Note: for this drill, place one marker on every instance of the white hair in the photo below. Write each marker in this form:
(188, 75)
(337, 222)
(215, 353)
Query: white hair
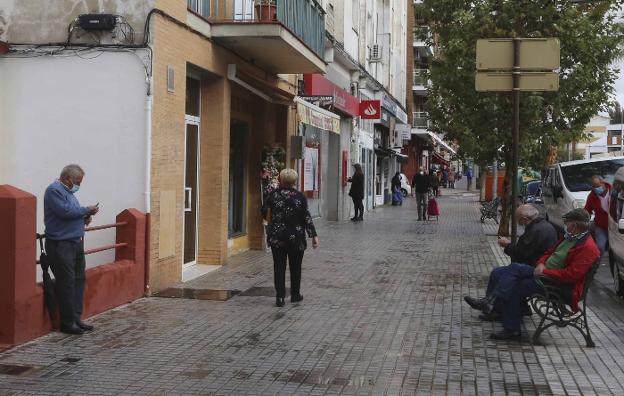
(72, 171)
(528, 211)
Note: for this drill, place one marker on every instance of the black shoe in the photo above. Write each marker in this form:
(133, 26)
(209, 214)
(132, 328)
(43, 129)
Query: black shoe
(360, 218)
(295, 299)
(84, 326)
(279, 301)
(73, 329)
(506, 335)
(484, 305)
(354, 219)
(492, 317)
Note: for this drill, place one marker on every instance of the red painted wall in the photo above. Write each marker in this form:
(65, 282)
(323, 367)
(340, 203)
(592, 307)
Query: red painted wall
(23, 316)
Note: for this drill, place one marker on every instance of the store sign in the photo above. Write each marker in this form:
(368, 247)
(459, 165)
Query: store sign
(404, 132)
(317, 85)
(319, 100)
(316, 118)
(389, 104)
(370, 109)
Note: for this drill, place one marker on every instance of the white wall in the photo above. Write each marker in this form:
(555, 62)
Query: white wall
(60, 110)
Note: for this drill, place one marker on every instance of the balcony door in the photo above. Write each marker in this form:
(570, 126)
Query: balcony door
(243, 10)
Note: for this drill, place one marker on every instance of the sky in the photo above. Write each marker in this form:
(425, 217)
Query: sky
(619, 84)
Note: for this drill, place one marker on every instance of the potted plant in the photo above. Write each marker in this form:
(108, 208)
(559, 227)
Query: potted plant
(266, 10)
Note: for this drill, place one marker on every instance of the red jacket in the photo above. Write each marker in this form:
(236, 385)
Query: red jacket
(601, 218)
(578, 262)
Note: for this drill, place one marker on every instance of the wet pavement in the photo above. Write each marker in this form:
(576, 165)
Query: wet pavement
(382, 315)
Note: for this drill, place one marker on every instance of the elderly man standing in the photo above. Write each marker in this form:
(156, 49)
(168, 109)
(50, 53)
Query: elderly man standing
(65, 222)
(598, 201)
(539, 236)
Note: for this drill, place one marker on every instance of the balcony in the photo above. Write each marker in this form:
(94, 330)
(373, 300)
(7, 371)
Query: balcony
(420, 120)
(280, 36)
(420, 81)
(421, 35)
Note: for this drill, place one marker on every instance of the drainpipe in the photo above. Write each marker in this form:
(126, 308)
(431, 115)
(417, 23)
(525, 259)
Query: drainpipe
(148, 145)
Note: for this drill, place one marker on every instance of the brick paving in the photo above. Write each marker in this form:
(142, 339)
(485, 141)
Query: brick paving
(382, 315)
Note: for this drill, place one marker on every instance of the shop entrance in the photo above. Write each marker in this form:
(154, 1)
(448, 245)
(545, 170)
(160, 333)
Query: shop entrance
(191, 171)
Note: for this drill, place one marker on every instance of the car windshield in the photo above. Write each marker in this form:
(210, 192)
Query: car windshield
(578, 177)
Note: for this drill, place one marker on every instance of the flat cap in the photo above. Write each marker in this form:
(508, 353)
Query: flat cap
(578, 214)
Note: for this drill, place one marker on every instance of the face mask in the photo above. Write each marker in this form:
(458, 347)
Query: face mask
(74, 189)
(599, 190)
(566, 233)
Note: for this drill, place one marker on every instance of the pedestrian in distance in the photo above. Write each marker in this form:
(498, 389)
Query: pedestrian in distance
(469, 179)
(434, 182)
(421, 184)
(451, 178)
(356, 192)
(397, 195)
(65, 222)
(539, 236)
(598, 203)
(289, 221)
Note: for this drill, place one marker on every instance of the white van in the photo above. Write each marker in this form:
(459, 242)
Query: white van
(567, 184)
(616, 233)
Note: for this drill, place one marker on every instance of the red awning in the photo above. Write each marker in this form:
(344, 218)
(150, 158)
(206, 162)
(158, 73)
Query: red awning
(438, 159)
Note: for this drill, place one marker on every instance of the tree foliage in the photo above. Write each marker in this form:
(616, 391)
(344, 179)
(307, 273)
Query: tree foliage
(480, 122)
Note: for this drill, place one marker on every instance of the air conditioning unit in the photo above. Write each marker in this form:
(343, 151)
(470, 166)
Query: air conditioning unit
(375, 53)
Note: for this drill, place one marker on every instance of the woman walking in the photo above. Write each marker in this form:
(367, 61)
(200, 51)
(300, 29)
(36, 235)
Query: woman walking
(357, 192)
(289, 221)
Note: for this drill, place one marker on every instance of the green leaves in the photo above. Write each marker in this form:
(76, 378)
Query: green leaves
(591, 40)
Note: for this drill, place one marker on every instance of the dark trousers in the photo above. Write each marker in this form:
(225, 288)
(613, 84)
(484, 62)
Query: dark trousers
(421, 204)
(67, 262)
(503, 279)
(359, 207)
(294, 257)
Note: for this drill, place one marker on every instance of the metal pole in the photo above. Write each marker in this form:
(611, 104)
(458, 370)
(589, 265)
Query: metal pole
(494, 179)
(515, 139)
(621, 131)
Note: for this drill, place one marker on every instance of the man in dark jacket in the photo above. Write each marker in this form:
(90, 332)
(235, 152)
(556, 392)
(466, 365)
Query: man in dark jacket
(539, 236)
(420, 186)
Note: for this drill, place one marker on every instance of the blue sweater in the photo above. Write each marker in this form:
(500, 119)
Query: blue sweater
(62, 214)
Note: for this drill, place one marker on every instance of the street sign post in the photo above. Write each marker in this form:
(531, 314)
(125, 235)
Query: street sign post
(514, 65)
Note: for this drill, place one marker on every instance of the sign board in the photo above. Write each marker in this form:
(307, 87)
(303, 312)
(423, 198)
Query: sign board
(315, 116)
(404, 131)
(324, 99)
(535, 54)
(529, 81)
(370, 109)
(318, 85)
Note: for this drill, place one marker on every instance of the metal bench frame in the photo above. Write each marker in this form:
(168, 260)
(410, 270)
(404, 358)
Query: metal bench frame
(489, 210)
(554, 308)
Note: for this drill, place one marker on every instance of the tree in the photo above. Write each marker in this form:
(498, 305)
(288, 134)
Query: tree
(480, 122)
(615, 113)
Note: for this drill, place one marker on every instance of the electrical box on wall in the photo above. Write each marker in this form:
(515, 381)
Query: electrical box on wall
(97, 21)
(296, 147)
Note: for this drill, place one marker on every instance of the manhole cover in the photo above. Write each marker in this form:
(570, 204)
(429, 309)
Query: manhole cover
(258, 291)
(13, 369)
(198, 294)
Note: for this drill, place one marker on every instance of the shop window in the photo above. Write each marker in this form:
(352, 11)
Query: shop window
(238, 179)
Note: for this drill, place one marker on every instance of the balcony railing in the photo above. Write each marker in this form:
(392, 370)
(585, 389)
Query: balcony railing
(305, 18)
(421, 33)
(420, 77)
(420, 120)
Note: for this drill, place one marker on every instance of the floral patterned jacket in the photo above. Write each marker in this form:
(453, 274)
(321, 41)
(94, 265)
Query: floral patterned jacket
(290, 219)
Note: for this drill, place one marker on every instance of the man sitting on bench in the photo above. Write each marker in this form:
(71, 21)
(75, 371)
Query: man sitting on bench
(539, 236)
(567, 263)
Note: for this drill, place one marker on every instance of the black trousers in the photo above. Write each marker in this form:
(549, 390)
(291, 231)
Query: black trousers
(67, 262)
(294, 257)
(359, 207)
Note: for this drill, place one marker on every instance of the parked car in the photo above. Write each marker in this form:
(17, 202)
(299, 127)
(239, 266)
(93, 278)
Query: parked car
(406, 189)
(567, 184)
(616, 233)
(532, 192)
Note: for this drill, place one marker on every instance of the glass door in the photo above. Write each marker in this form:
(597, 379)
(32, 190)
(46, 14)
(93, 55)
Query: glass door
(191, 184)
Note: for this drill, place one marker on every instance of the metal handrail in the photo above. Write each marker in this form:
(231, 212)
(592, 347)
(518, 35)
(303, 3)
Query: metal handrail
(96, 228)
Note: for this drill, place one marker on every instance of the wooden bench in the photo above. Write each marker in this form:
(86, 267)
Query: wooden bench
(553, 306)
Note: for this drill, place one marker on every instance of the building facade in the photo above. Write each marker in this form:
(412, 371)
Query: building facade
(189, 98)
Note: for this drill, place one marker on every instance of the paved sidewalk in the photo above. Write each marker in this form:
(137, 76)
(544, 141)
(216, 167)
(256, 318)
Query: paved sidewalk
(382, 314)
